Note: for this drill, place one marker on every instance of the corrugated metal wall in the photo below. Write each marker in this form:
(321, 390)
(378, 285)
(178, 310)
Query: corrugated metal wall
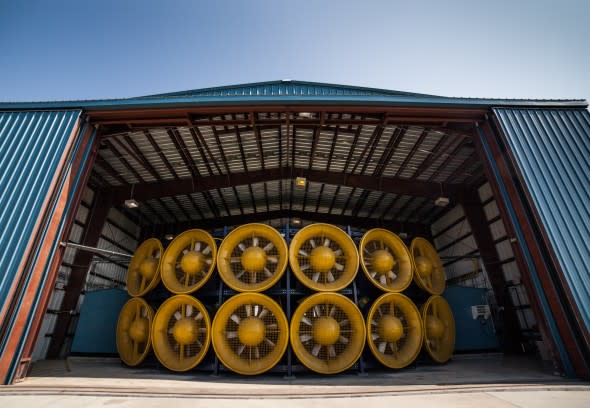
(552, 150)
(31, 146)
(463, 266)
(118, 234)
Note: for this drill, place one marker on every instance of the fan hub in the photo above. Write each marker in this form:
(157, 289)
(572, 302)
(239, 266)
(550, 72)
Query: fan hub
(424, 266)
(185, 331)
(382, 261)
(251, 331)
(253, 259)
(192, 262)
(390, 328)
(139, 329)
(326, 331)
(434, 327)
(148, 268)
(322, 259)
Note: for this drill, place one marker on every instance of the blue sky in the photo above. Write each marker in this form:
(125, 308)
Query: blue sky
(56, 50)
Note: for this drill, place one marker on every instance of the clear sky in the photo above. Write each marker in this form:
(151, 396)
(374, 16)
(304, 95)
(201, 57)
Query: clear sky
(83, 49)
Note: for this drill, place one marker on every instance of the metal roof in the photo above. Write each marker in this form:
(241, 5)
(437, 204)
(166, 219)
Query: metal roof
(289, 92)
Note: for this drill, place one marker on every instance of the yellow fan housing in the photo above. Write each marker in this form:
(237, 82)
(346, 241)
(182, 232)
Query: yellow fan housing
(252, 258)
(250, 333)
(430, 274)
(323, 257)
(189, 261)
(386, 260)
(439, 328)
(181, 333)
(327, 333)
(143, 273)
(394, 330)
(133, 331)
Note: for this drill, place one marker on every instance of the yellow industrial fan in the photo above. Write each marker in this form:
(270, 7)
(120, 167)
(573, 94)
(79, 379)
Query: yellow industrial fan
(143, 273)
(430, 274)
(386, 260)
(188, 261)
(323, 257)
(181, 333)
(439, 328)
(394, 330)
(327, 333)
(250, 333)
(133, 331)
(252, 258)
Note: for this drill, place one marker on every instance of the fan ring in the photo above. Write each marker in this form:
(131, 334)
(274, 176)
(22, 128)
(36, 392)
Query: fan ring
(189, 261)
(430, 273)
(394, 330)
(252, 258)
(323, 257)
(143, 273)
(133, 329)
(250, 333)
(386, 260)
(181, 333)
(327, 333)
(439, 328)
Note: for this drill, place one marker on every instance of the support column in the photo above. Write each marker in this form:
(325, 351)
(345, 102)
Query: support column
(94, 225)
(509, 332)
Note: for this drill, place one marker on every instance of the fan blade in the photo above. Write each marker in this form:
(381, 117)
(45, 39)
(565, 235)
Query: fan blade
(263, 313)
(391, 275)
(142, 284)
(239, 275)
(272, 259)
(208, 261)
(343, 339)
(333, 311)
(316, 350)
(330, 277)
(184, 251)
(331, 351)
(373, 323)
(303, 253)
(235, 259)
(338, 252)
(207, 250)
(242, 246)
(382, 347)
(272, 326)
(231, 335)
(375, 336)
(394, 347)
(338, 266)
(383, 279)
(267, 272)
(305, 267)
(177, 315)
(255, 241)
(256, 353)
(241, 349)
(189, 310)
(197, 246)
(268, 247)
(186, 278)
(199, 316)
(343, 322)
(253, 277)
(181, 352)
(235, 319)
(312, 243)
(434, 309)
(270, 343)
(366, 251)
(306, 320)
(327, 242)
(248, 310)
(317, 310)
(316, 276)
(373, 274)
(305, 337)
(392, 308)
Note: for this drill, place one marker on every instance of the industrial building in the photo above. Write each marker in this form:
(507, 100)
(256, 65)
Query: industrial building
(500, 187)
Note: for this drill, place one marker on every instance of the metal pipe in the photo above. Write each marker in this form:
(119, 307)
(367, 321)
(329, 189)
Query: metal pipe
(94, 249)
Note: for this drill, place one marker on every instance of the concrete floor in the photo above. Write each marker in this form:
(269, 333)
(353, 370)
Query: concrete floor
(481, 380)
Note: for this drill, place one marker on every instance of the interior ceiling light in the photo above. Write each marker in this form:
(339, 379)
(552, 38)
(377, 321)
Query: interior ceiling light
(307, 115)
(168, 237)
(296, 221)
(131, 203)
(300, 181)
(442, 201)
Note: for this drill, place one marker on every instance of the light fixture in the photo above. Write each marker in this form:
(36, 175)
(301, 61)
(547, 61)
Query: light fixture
(442, 201)
(131, 203)
(307, 115)
(300, 181)
(168, 237)
(296, 221)
(402, 235)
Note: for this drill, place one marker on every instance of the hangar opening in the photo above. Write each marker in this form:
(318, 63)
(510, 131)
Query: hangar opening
(416, 172)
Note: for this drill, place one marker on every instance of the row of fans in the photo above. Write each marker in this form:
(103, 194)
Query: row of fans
(250, 332)
(253, 257)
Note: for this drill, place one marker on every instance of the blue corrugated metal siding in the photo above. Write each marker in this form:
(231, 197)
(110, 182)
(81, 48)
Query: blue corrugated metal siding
(552, 150)
(31, 146)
